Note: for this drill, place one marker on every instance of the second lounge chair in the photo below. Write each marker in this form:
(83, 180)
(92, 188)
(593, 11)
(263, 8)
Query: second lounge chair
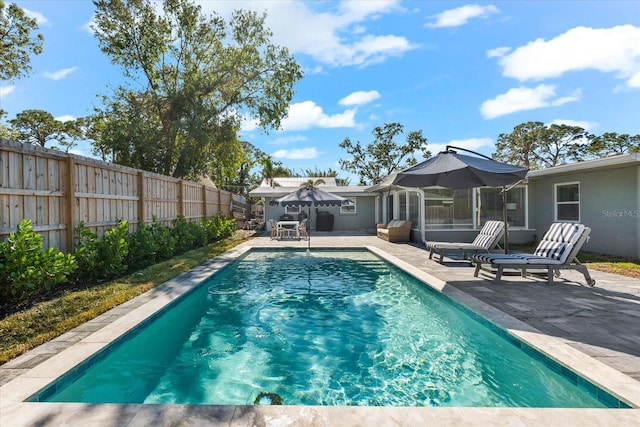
(557, 251)
(486, 240)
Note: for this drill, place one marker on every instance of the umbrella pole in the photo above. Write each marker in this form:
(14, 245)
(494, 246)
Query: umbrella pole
(505, 218)
(309, 230)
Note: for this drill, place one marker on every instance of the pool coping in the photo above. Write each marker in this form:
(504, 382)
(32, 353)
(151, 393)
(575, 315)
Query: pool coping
(14, 410)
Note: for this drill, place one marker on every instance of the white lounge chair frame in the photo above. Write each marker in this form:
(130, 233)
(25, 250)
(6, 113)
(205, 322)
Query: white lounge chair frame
(488, 238)
(557, 251)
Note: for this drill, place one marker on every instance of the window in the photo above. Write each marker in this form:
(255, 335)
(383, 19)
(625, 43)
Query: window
(414, 209)
(447, 208)
(489, 204)
(292, 209)
(349, 208)
(567, 197)
(402, 205)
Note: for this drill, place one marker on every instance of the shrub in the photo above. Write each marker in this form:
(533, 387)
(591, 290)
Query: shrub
(165, 240)
(188, 235)
(26, 268)
(150, 244)
(101, 259)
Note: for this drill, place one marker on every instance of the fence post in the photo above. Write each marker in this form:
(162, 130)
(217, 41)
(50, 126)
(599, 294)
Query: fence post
(142, 190)
(71, 203)
(181, 207)
(219, 200)
(204, 201)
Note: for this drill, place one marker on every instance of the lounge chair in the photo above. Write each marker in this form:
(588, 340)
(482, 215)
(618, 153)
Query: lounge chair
(556, 251)
(395, 231)
(488, 238)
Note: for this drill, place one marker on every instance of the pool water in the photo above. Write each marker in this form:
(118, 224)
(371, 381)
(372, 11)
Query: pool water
(319, 328)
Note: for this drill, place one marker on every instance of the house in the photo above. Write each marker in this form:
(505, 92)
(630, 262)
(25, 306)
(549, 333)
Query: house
(603, 194)
(357, 216)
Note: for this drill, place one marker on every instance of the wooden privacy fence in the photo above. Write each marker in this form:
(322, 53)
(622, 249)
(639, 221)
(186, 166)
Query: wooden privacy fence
(57, 190)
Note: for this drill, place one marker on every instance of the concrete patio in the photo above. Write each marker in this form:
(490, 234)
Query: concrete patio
(596, 331)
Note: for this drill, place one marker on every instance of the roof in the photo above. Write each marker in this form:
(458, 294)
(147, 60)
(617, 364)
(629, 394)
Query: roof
(605, 162)
(384, 184)
(341, 190)
(297, 181)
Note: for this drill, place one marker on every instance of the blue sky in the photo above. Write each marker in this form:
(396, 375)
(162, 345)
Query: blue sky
(461, 72)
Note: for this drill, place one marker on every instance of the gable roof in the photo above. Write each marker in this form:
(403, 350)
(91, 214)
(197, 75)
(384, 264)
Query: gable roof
(605, 162)
(297, 181)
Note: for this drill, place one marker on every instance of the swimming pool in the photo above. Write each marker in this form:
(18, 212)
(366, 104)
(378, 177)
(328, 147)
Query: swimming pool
(326, 328)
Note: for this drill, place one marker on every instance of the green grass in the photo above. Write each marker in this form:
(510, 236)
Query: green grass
(607, 263)
(46, 320)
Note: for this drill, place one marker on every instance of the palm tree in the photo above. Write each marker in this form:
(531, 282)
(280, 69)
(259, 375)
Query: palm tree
(311, 183)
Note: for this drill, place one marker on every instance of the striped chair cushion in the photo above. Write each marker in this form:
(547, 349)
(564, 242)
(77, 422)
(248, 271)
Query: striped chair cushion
(558, 240)
(500, 258)
(488, 233)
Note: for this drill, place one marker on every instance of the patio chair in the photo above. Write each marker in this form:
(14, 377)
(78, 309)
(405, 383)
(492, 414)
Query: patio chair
(488, 238)
(274, 229)
(556, 251)
(302, 229)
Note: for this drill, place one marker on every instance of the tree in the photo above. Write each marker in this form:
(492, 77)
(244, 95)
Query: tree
(518, 146)
(271, 169)
(535, 145)
(313, 182)
(199, 76)
(36, 127)
(561, 144)
(383, 156)
(16, 42)
(5, 131)
(240, 180)
(330, 173)
(612, 143)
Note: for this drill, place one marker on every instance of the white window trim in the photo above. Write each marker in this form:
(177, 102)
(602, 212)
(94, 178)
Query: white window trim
(292, 210)
(556, 202)
(353, 203)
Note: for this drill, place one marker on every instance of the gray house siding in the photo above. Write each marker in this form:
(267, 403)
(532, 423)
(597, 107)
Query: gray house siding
(361, 221)
(609, 204)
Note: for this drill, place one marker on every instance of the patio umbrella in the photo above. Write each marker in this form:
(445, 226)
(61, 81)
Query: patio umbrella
(310, 196)
(452, 170)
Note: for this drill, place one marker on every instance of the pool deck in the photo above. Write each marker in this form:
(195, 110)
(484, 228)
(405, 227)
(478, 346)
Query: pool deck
(595, 331)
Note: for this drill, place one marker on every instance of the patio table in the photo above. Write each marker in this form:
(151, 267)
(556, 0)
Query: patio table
(288, 229)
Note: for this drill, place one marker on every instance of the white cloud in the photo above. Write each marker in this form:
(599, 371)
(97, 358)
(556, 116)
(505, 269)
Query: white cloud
(248, 124)
(60, 74)
(40, 19)
(65, 118)
(360, 98)
(461, 15)
(89, 26)
(498, 52)
(583, 124)
(306, 115)
(6, 90)
(470, 144)
(296, 154)
(634, 81)
(609, 50)
(288, 140)
(337, 37)
(523, 98)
